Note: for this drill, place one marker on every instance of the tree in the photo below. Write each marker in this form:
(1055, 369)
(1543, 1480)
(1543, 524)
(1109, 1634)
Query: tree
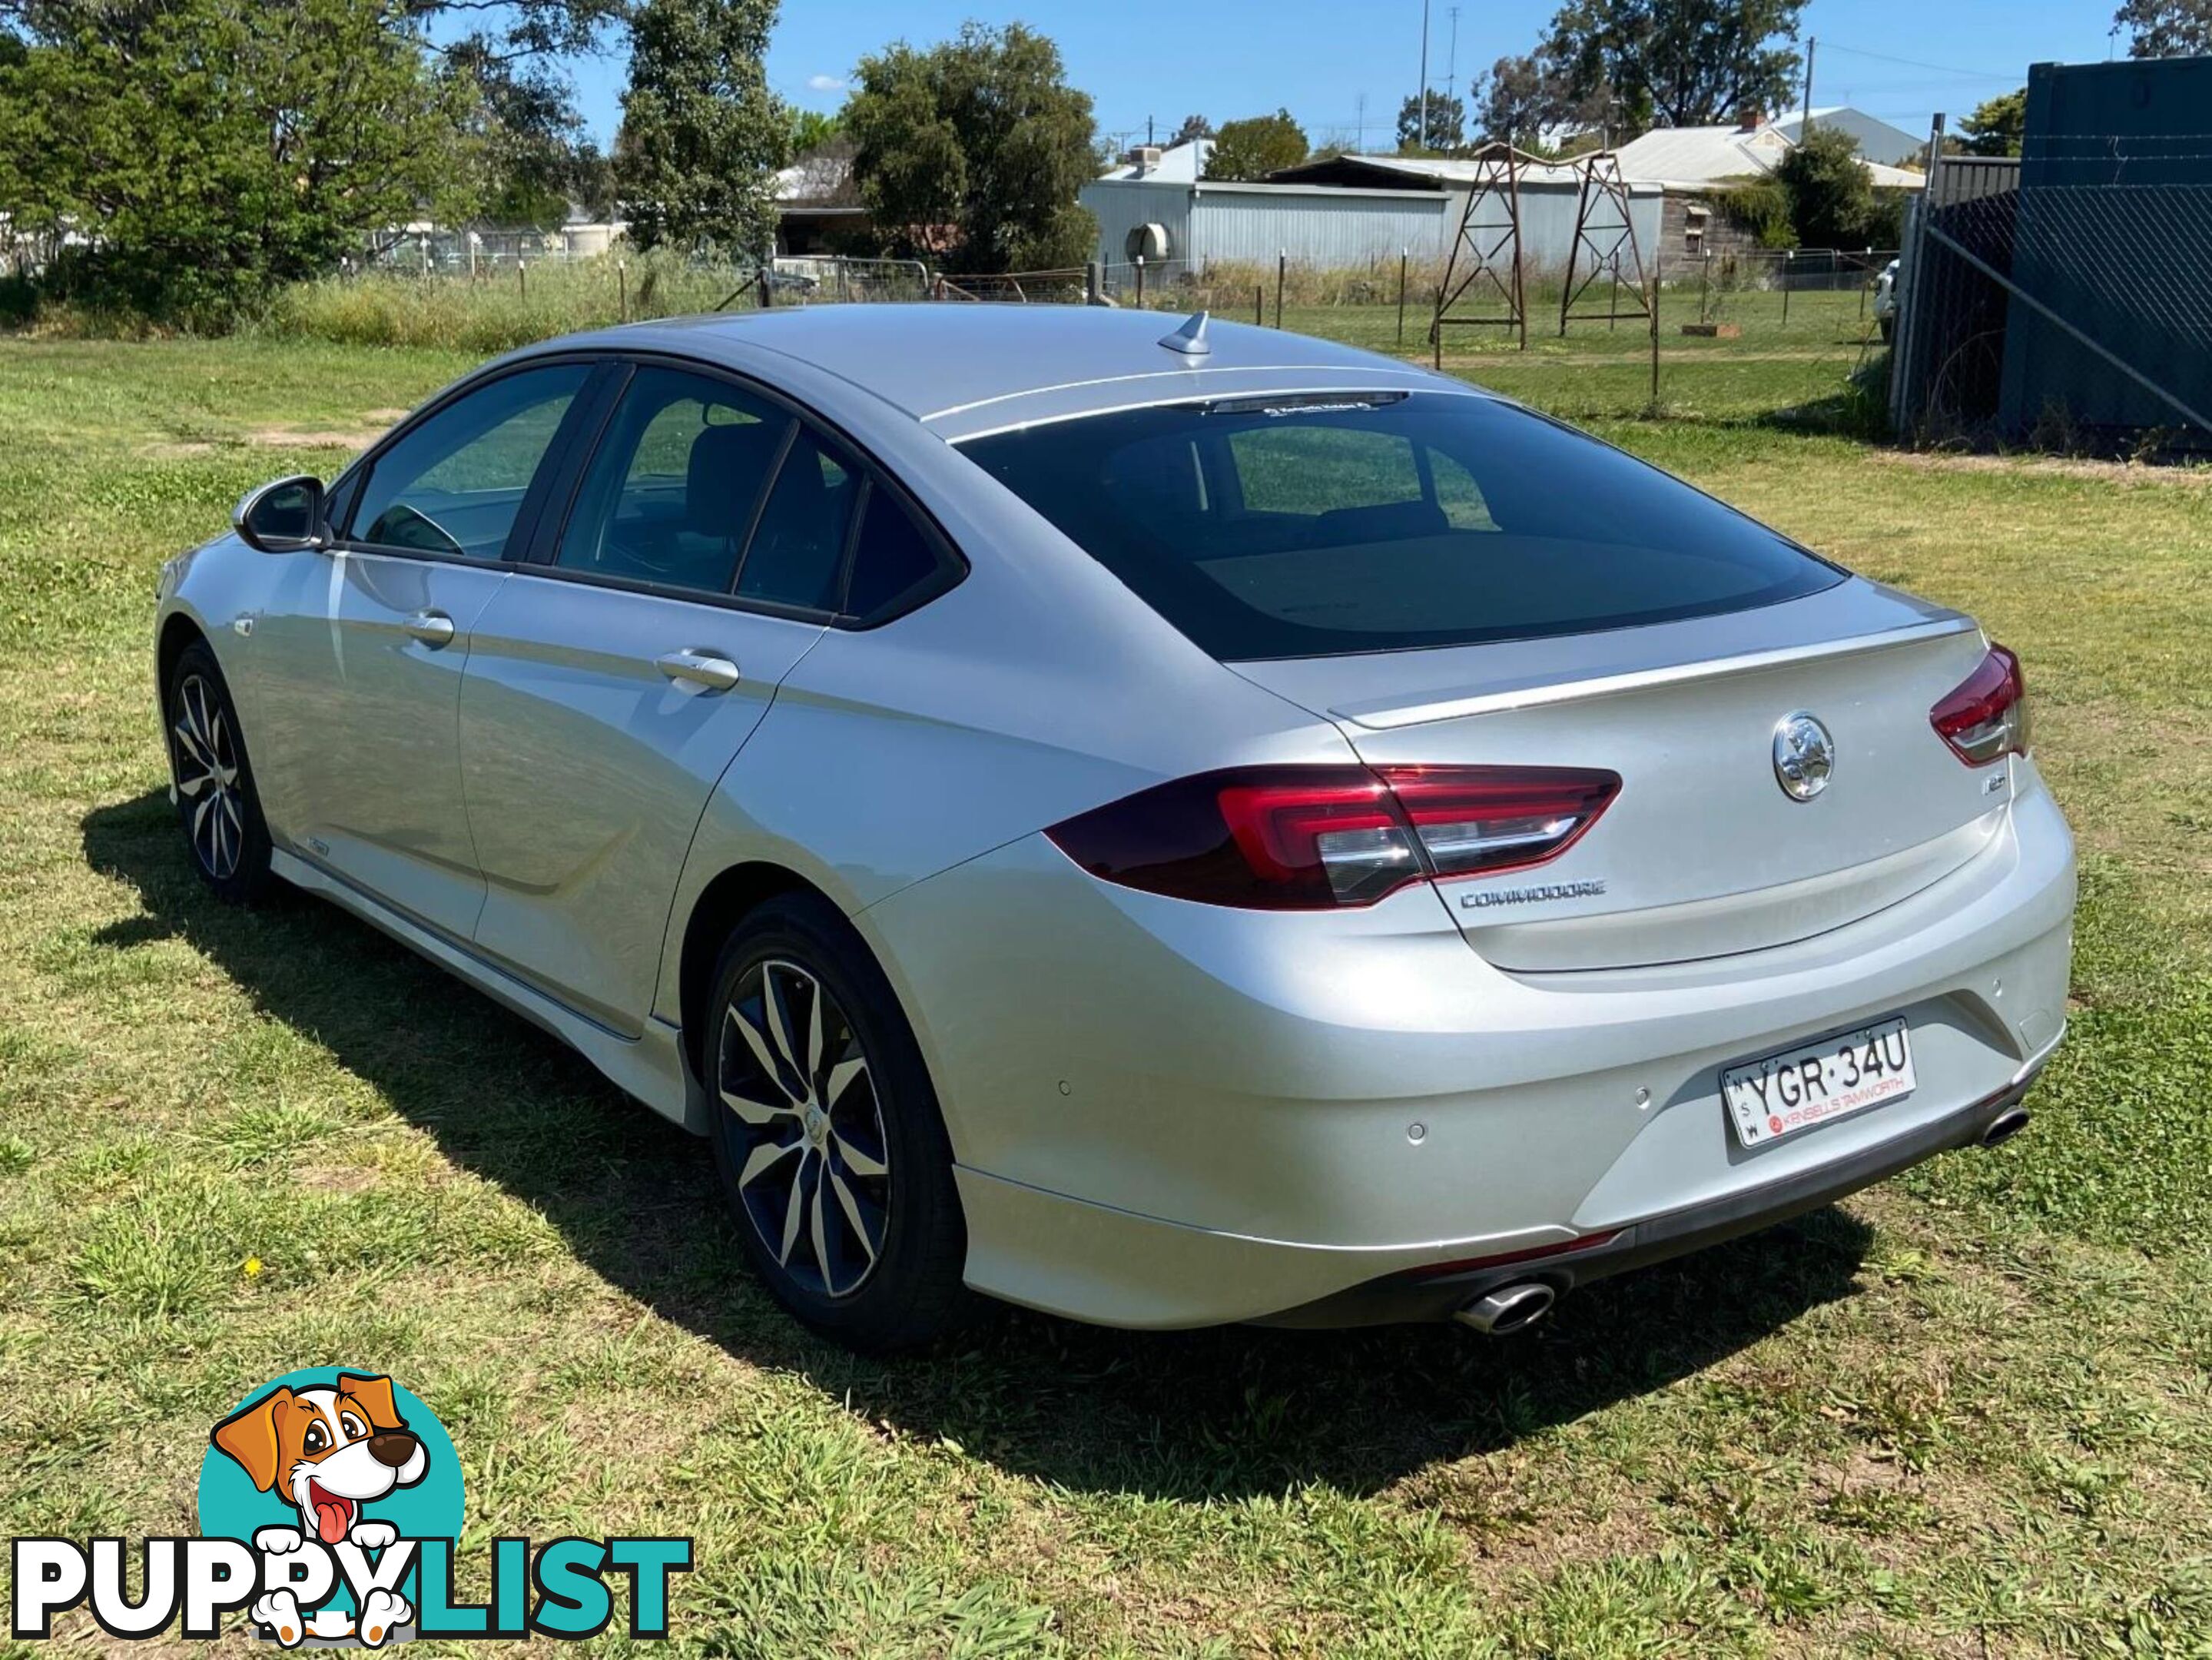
(973, 151)
(1446, 117)
(207, 150)
(1256, 146)
(811, 129)
(702, 134)
(1829, 190)
(1193, 128)
(1524, 97)
(2166, 29)
(1679, 62)
(1998, 127)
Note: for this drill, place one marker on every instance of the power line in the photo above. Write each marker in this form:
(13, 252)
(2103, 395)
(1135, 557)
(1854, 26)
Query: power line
(1915, 64)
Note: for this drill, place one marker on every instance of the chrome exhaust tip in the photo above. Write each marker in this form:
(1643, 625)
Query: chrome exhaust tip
(1508, 1309)
(2002, 1128)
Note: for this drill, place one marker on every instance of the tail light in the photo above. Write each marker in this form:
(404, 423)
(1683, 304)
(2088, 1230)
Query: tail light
(1985, 716)
(1307, 838)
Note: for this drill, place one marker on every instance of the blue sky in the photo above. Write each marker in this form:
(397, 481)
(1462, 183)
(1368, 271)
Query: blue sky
(1897, 59)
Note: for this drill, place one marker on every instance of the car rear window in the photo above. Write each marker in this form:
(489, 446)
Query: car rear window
(1314, 527)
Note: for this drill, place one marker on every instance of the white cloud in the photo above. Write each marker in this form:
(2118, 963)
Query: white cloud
(826, 84)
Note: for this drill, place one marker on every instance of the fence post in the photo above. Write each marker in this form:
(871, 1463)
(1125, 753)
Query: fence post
(1093, 283)
(1866, 271)
(1654, 338)
(1141, 282)
(1282, 270)
(1704, 283)
(1404, 256)
(521, 277)
(1259, 305)
(1788, 258)
(622, 281)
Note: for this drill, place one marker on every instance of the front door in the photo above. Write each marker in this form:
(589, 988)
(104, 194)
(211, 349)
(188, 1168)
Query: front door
(609, 688)
(361, 657)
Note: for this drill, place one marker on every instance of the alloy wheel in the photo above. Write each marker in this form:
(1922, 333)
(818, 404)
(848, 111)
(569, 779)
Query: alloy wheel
(814, 1166)
(206, 777)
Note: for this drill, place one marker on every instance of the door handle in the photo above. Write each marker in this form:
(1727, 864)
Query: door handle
(700, 668)
(432, 628)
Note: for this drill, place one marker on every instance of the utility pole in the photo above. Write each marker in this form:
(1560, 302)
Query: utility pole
(1421, 132)
(1149, 140)
(1451, 57)
(1805, 126)
(1359, 123)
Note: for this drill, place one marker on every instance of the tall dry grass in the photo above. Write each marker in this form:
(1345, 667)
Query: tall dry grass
(499, 309)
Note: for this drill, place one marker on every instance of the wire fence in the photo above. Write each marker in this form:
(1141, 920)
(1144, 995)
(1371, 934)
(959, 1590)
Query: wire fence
(2072, 312)
(1742, 333)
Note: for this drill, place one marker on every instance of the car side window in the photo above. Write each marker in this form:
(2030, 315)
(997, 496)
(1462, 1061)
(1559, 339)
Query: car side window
(673, 487)
(798, 551)
(455, 483)
(891, 557)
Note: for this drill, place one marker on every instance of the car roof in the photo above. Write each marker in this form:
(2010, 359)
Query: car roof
(965, 367)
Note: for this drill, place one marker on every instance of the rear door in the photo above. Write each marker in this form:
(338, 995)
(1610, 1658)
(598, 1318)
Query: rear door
(611, 685)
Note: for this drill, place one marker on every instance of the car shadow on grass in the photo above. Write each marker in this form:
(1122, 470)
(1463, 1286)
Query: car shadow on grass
(1195, 1415)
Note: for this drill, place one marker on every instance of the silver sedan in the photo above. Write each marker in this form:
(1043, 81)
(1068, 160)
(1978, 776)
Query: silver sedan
(1165, 828)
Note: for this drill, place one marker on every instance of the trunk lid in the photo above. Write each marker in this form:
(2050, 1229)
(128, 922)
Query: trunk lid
(1703, 853)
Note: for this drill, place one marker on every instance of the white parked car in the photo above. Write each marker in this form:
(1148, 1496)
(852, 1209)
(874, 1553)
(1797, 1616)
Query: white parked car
(1885, 300)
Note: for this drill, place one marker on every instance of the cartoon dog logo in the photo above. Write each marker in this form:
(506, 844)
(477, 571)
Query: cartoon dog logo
(329, 1451)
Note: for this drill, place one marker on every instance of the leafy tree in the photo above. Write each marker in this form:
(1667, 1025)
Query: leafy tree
(1830, 191)
(1256, 146)
(973, 151)
(209, 149)
(1193, 128)
(1997, 128)
(2166, 29)
(702, 134)
(1447, 123)
(1523, 98)
(1679, 62)
(811, 129)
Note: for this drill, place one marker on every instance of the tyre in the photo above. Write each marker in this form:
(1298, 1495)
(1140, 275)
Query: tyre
(225, 834)
(827, 1136)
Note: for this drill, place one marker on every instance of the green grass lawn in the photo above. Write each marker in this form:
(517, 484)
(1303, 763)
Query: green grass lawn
(1964, 1414)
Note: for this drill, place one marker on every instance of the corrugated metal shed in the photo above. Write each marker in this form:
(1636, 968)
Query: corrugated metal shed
(1330, 227)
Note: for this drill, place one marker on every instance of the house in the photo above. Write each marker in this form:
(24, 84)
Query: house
(1877, 140)
(1692, 167)
(1175, 164)
(818, 199)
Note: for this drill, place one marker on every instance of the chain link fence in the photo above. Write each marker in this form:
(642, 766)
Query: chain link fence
(2074, 315)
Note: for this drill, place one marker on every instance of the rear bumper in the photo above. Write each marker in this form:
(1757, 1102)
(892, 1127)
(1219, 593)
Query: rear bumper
(1166, 1115)
(1421, 1297)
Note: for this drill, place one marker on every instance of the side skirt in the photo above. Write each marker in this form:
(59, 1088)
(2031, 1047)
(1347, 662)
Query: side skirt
(649, 1066)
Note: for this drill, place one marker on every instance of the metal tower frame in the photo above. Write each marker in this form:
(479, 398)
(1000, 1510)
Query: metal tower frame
(1487, 246)
(1604, 228)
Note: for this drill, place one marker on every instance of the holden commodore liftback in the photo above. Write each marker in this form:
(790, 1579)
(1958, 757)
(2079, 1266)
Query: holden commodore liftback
(1164, 828)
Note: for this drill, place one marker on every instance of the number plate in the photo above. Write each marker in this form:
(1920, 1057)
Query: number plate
(1781, 1094)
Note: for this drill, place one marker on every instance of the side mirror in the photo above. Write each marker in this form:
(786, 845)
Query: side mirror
(285, 516)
